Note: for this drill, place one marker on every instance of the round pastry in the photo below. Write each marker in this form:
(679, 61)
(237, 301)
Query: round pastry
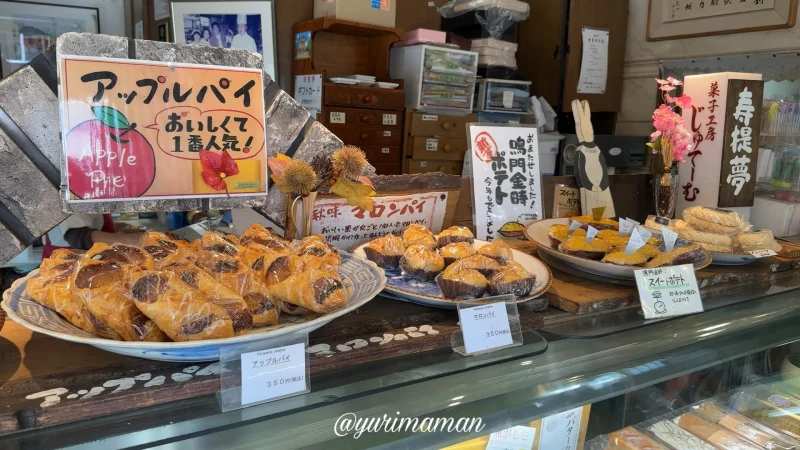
(455, 251)
(601, 224)
(419, 235)
(512, 279)
(620, 258)
(386, 251)
(577, 246)
(678, 255)
(459, 283)
(421, 262)
(485, 265)
(498, 251)
(559, 233)
(455, 234)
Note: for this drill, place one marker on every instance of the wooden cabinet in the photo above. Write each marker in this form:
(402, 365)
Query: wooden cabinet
(435, 142)
(363, 97)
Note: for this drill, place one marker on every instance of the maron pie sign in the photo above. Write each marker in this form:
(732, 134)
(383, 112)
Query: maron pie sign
(143, 129)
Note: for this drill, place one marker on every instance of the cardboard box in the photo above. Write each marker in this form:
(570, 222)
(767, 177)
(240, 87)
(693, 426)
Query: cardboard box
(373, 12)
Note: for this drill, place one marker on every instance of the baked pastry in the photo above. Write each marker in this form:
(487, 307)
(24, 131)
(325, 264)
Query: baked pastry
(217, 242)
(601, 224)
(455, 251)
(710, 227)
(421, 262)
(715, 248)
(316, 251)
(483, 264)
(620, 258)
(231, 302)
(65, 253)
(511, 279)
(715, 240)
(257, 234)
(758, 240)
(316, 290)
(123, 254)
(385, 251)
(612, 237)
(168, 241)
(463, 284)
(559, 233)
(741, 426)
(497, 250)
(676, 437)
(455, 234)
(182, 312)
(714, 435)
(417, 234)
(577, 246)
(103, 288)
(649, 251)
(678, 255)
(721, 217)
(630, 439)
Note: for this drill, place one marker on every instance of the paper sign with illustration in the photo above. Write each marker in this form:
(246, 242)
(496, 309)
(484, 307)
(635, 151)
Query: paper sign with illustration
(143, 130)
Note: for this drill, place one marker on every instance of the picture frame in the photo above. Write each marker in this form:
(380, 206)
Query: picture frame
(163, 32)
(243, 24)
(677, 19)
(27, 29)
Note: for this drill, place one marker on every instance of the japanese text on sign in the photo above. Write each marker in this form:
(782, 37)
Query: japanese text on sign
(567, 201)
(308, 92)
(741, 144)
(346, 226)
(561, 431)
(668, 291)
(274, 373)
(137, 129)
(676, 10)
(485, 327)
(507, 186)
(702, 130)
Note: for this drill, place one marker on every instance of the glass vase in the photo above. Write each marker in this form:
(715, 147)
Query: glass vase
(665, 190)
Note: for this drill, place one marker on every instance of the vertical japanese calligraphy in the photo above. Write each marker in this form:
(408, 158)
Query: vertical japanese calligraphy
(740, 150)
(142, 129)
(507, 181)
(677, 10)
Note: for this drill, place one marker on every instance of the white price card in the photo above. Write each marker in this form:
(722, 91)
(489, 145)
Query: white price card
(670, 237)
(765, 253)
(485, 327)
(668, 291)
(634, 243)
(635, 223)
(387, 133)
(390, 119)
(429, 118)
(625, 227)
(591, 232)
(338, 117)
(514, 438)
(431, 145)
(574, 225)
(273, 373)
(644, 233)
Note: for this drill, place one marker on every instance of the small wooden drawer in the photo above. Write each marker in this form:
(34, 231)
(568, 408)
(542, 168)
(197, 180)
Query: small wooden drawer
(388, 168)
(438, 148)
(441, 126)
(360, 136)
(378, 154)
(364, 97)
(432, 165)
(361, 117)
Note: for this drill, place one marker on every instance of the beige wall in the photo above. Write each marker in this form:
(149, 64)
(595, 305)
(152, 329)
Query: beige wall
(642, 57)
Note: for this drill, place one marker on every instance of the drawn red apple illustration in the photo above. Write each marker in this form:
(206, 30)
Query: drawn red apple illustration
(108, 158)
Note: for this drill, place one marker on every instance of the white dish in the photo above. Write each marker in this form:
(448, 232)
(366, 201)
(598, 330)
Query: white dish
(538, 232)
(384, 85)
(360, 77)
(365, 83)
(428, 293)
(343, 81)
(362, 279)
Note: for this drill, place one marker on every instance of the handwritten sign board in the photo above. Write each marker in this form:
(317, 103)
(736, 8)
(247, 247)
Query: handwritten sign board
(507, 191)
(668, 291)
(144, 130)
(308, 92)
(347, 226)
(514, 438)
(737, 185)
(677, 10)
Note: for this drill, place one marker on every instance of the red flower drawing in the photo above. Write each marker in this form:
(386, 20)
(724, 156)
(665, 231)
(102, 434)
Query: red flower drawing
(217, 167)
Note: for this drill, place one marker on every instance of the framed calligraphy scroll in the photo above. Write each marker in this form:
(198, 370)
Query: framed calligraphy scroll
(676, 19)
(737, 184)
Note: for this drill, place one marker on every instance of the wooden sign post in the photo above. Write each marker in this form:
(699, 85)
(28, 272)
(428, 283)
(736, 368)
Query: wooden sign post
(737, 184)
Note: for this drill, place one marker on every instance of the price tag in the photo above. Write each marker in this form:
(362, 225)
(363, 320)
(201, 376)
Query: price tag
(668, 291)
(431, 145)
(635, 223)
(429, 118)
(625, 227)
(485, 327)
(670, 237)
(387, 133)
(566, 201)
(390, 119)
(634, 243)
(766, 253)
(337, 117)
(385, 150)
(574, 226)
(644, 233)
(597, 213)
(591, 232)
(273, 373)
(508, 99)
(514, 438)
(423, 163)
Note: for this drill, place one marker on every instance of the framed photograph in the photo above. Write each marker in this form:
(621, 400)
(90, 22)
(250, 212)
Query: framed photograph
(244, 25)
(27, 29)
(163, 32)
(677, 19)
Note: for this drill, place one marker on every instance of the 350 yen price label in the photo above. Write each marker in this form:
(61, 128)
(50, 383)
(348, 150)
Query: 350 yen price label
(485, 327)
(273, 373)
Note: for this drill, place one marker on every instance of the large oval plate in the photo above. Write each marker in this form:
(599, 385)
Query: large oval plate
(537, 232)
(733, 259)
(363, 280)
(428, 293)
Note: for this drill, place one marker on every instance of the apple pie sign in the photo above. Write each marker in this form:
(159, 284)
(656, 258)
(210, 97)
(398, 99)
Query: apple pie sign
(144, 130)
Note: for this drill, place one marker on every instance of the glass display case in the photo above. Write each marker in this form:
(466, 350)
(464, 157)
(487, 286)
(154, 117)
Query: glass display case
(595, 386)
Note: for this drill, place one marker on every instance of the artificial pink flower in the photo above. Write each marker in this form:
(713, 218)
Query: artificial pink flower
(668, 98)
(667, 88)
(655, 135)
(684, 101)
(662, 82)
(674, 82)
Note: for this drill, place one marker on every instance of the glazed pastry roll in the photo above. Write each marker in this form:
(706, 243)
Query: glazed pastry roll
(273, 267)
(216, 242)
(57, 266)
(313, 289)
(182, 312)
(103, 287)
(718, 216)
(758, 240)
(257, 234)
(65, 253)
(123, 254)
(233, 304)
(318, 247)
(163, 240)
(164, 257)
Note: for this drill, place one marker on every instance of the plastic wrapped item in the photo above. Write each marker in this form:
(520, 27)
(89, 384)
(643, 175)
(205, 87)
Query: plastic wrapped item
(676, 437)
(496, 16)
(716, 436)
(503, 61)
(758, 240)
(716, 220)
(743, 427)
(630, 439)
(478, 45)
(773, 409)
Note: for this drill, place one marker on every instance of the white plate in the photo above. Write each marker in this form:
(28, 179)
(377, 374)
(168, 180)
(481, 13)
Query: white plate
(361, 77)
(733, 259)
(428, 293)
(343, 81)
(363, 280)
(538, 233)
(384, 85)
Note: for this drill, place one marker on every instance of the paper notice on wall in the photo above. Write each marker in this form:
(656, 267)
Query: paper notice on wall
(160, 9)
(346, 226)
(594, 62)
(308, 92)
